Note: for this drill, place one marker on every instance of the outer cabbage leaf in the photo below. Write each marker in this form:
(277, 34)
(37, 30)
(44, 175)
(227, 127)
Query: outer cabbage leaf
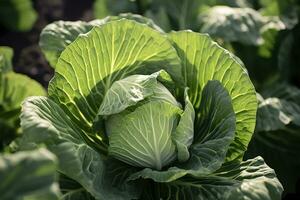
(43, 121)
(285, 10)
(214, 129)
(14, 88)
(277, 137)
(6, 55)
(56, 36)
(203, 60)
(72, 190)
(275, 114)
(270, 37)
(244, 25)
(184, 133)
(210, 145)
(88, 67)
(251, 179)
(17, 15)
(233, 24)
(28, 175)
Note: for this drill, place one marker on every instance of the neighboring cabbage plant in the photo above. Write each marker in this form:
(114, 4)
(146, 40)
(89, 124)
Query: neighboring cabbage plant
(29, 175)
(14, 88)
(134, 113)
(277, 133)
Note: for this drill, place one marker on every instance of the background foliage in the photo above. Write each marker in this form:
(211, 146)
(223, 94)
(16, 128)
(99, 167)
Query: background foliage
(264, 34)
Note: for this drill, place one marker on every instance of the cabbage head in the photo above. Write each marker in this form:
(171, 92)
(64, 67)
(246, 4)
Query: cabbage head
(136, 113)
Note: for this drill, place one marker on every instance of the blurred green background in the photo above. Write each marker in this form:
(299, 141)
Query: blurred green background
(264, 34)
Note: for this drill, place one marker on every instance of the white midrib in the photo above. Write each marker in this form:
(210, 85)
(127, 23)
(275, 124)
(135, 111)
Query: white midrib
(157, 160)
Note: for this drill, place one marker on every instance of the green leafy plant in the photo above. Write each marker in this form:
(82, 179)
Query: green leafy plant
(14, 88)
(264, 34)
(276, 135)
(29, 175)
(135, 113)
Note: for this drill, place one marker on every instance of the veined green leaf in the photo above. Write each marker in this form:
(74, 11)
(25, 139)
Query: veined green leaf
(43, 121)
(184, 133)
(283, 91)
(214, 129)
(88, 67)
(28, 175)
(56, 36)
(280, 149)
(251, 179)
(142, 138)
(244, 25)
(14, 88)
(203, 60)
